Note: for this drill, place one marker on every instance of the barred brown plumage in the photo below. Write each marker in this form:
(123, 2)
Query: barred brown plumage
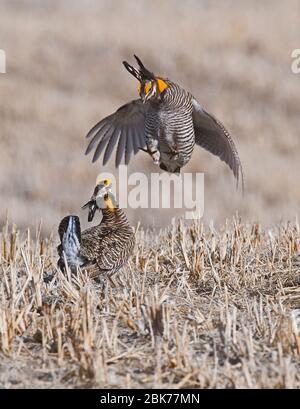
(166, 122)
(103, 249)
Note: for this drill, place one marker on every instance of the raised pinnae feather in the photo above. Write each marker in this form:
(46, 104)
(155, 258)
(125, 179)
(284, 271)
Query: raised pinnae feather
(145, 73)
(132, 71)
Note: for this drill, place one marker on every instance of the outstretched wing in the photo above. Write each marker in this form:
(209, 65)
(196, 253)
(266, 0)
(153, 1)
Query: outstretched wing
(125, 128)
(211, 134)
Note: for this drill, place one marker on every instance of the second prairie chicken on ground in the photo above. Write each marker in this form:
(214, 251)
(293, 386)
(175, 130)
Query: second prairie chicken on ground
(166, 122)
(103, 249)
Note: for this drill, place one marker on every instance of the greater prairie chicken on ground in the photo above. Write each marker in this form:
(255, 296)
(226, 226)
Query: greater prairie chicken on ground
(166, 122)
(103, 249)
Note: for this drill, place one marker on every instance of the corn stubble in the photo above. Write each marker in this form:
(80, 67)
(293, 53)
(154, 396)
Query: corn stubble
(195, 307)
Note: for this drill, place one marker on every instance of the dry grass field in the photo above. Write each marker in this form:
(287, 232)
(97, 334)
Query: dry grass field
(207, 304)
(195, 308)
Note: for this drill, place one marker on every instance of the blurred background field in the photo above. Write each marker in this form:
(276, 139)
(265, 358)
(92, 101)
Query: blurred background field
(64, 73)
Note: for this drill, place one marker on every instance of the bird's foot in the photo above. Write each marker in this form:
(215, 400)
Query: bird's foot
(145, 150)
(101, 282)
(163, 167)
(173, 154)
(155, 155)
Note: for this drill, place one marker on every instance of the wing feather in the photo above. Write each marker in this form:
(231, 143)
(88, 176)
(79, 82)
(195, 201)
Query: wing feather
(121, 148)
(211, 135)
(128, 148)
(111, 144)
(136, 141)
(125, 128)
(95, 137)
(101, 145)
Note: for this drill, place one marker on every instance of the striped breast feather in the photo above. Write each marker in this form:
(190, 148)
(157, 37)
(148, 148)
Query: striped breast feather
(211, 135)
(111, 254)
(178, 97)
(124, 128)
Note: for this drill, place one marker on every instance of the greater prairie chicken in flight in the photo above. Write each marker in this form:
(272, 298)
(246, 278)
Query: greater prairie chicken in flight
(103, 249)
(166, 122)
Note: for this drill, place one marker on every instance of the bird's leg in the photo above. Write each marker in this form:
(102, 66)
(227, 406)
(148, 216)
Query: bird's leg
(152, 151)
(173, 154)
(147, 150)
(102, 279)
(93, 273)
(101, 282)
(155, 157)
(164, 167)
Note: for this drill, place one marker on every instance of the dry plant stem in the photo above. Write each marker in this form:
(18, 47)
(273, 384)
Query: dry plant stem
(201, 308)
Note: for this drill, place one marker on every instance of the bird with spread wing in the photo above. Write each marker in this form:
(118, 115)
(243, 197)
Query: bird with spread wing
(166, 122)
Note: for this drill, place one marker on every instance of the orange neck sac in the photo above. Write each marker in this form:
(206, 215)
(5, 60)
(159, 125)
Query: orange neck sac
(162, 85)
(110, 205)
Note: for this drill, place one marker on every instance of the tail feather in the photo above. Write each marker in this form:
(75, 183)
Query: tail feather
(70, 236)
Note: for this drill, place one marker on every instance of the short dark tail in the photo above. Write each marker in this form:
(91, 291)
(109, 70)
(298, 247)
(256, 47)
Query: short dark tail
(70, 237)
